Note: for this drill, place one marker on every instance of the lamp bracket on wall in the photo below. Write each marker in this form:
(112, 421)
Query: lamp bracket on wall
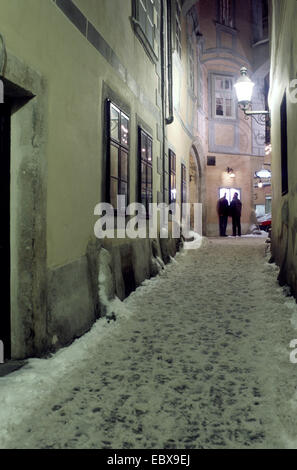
(261, 117)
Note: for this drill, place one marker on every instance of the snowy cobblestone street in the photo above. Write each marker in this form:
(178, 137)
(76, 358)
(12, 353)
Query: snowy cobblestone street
(201, 361)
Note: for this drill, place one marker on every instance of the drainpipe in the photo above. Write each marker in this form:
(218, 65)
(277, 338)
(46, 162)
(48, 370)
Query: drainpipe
(170, 118)
(163, 94)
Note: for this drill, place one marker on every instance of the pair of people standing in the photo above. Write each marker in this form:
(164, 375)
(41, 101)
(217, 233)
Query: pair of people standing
(224, 211)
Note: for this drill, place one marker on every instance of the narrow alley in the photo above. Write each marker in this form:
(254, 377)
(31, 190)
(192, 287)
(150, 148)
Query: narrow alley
(199, 359)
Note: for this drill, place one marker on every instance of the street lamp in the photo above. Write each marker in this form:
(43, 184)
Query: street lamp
(244, 90)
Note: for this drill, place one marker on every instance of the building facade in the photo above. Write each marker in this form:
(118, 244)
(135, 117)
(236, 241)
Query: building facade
(234, 34)
(117, 97)
(89, 115)
(283, 104)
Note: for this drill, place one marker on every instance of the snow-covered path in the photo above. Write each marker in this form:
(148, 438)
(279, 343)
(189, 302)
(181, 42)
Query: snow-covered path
(202, 361)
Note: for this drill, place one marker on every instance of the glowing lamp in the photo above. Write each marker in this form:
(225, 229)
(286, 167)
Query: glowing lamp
(244, 88)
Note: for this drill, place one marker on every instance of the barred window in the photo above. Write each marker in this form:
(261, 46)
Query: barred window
(118, 153)
(146, 168)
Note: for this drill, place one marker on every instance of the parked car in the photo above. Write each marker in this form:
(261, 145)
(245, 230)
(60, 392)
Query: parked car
(264, 222)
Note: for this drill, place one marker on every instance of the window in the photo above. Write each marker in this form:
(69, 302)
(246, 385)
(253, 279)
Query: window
(229, 193)
(284, 145)
(146, 168)
(267, 204)
(146, 19)
(267, 122)
(193, 13)
(226, 13)
(260, 10)
(265, 18)
(172, 177)
(183, 189)
(260, 210)
(183, 183)
(223, 97)
(191, 65)
(143, 20)
(118, 153)
(178, 27)
(211, 161)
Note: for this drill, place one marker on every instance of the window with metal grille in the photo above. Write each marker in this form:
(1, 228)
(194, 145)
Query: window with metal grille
(117, 153)
(172, 177)
(178, 27)
(146, 168)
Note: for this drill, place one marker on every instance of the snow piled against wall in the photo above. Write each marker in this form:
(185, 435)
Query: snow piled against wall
(22, 391)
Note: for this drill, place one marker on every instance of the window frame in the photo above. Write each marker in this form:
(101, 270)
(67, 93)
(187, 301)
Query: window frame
(178, 29)
(172, 173)
(121, 147)
(230, 193)
(230, 22)
(284, 145)
(223, 92)
(145, 162)
(141, 30)
(191, 65)
(268, 202)
(183, 190)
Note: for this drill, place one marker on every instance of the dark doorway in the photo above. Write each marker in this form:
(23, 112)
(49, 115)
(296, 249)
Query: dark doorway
(5, 333)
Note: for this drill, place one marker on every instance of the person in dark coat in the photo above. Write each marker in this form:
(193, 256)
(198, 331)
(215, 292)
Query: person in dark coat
(235, 212)
(223, 211)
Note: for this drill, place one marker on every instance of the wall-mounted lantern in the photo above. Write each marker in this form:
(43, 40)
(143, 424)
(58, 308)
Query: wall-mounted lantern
(230, 172)
(244, 90)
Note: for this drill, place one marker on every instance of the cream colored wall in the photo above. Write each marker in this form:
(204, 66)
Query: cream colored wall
(179, 140)
(40, 35)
